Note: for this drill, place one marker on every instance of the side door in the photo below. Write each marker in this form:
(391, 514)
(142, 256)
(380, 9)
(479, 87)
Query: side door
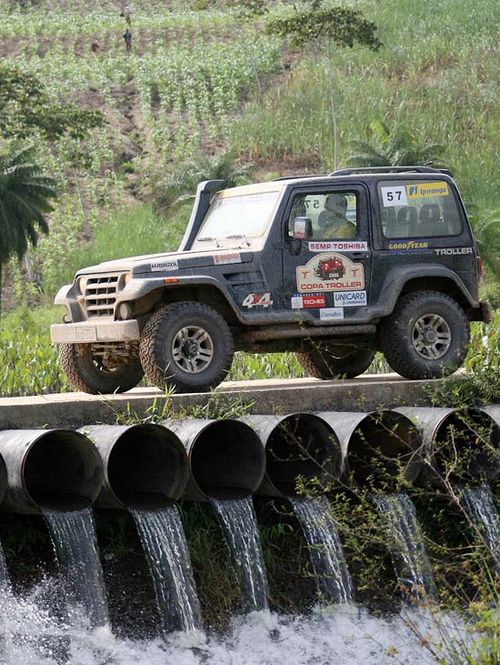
(326, 276)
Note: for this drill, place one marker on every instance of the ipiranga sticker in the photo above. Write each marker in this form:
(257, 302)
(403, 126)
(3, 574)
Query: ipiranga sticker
(165, 266)
(331, 313)
(350, 299)
(330, 272)
(425, 190)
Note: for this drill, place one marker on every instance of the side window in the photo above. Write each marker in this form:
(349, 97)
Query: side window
(334, 215)
(416, 209)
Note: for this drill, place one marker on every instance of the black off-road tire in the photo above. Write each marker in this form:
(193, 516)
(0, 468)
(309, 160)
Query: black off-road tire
(85, 374)
(328, 361)
(398, 330)
(156, 348)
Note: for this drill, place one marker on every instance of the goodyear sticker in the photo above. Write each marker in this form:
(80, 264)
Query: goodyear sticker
(330, 272)
(408, 245)
(427, 190)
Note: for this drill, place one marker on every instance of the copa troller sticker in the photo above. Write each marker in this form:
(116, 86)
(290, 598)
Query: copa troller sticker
(330, 272)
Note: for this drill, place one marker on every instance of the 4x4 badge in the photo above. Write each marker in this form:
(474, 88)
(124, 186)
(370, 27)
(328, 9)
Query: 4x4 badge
(330, 272)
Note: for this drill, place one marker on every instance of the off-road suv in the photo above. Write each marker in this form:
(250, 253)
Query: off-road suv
(261, 269)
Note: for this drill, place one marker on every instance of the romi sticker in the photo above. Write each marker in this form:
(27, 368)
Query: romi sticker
(223, 259)
(350, 299)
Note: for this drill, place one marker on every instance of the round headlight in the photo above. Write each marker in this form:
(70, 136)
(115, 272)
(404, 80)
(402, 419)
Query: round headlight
(82, 283)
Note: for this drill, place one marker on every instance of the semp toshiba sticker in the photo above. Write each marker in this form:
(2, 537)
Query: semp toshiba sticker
(310, 301)
(330, 272)
(337, 246)
(350, 299)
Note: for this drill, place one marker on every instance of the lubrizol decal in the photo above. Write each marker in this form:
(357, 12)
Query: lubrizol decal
(427, 190)
(223, 259)
(331, 313)
(330, 272)
(349, 299)
(338, 246)
(166, 265)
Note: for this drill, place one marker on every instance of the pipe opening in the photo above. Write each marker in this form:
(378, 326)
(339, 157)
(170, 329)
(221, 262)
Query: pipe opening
(383, 451)
(147, 467)
(62, 471)
(3, 479)
(302, 446)
(466, 447)
(227, 460)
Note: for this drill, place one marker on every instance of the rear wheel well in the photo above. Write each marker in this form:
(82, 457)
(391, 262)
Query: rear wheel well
(440, 284)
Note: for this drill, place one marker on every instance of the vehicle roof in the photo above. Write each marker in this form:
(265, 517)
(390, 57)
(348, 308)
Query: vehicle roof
(279, 184)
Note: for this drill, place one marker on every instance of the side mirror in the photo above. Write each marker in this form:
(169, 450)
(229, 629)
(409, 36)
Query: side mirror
(302, 228)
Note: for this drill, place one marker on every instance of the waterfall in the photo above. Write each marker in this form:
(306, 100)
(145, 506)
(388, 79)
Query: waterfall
(75, 544)
(327, 555)
(238, 520)
(4, 575)
(479, 504)
(408, 553)
(166, 550)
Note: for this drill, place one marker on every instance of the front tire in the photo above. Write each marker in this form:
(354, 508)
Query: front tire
(327, 361)
(426, 336)
(187, 346)
(91, 369)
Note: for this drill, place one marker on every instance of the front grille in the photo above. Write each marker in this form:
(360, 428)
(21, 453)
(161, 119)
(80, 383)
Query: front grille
(100, 294)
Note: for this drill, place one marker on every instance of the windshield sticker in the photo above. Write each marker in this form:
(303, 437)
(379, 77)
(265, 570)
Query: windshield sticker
(453, 251)
(427, 190)
(257, 300)
(311, 301)
(330, 272)
(165, 266)
(338, 246)
(331, 313)
(350, 299)
(223, 259)
(408, 245)
(393, 196)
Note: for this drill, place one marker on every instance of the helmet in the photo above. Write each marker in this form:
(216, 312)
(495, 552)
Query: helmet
(336, 203)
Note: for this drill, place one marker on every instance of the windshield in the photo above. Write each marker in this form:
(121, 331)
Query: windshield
(238, 216)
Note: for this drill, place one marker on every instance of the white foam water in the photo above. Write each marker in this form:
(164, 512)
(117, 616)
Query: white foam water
(480, 506)
(342, 634)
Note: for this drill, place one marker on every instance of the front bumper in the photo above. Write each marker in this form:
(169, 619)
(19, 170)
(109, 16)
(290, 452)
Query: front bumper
(87, 332)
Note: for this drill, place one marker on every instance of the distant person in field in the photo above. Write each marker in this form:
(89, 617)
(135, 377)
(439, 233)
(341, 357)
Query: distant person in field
(94, 47)
(127, 15)
(128, 39)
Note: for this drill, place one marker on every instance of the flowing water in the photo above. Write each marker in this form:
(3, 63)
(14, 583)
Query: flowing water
(327, 555)
(166, 550)
(4, 575)
(408, 553)
(238, 520)
(75, 544)
(343, 635)
(480, 506)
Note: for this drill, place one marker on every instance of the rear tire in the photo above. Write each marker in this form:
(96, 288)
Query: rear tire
(186, 346)
(426, 336)
(328, 361)
(87, 372)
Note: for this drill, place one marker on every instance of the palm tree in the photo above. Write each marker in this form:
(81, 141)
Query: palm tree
(396, 147)
(25, 195)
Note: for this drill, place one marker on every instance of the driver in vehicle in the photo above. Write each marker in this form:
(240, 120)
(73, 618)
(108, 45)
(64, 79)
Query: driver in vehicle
(332, 221)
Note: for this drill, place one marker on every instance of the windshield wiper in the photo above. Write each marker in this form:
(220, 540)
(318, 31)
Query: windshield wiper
(239, 235)
(208, 238)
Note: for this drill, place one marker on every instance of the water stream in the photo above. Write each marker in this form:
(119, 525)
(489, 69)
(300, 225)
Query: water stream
(4, 574)
(480, 506)
(75, 544)
(408, 553)
(327, 554)
(166, 550)
(238, 520)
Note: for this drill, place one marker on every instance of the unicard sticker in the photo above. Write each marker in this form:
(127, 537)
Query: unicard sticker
(330, 272)
(350, 299)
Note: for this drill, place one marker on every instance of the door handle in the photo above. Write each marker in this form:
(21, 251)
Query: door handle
(360, 255)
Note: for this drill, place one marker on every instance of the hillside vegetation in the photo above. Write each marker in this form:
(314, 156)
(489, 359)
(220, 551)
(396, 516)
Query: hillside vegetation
(202, 80)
